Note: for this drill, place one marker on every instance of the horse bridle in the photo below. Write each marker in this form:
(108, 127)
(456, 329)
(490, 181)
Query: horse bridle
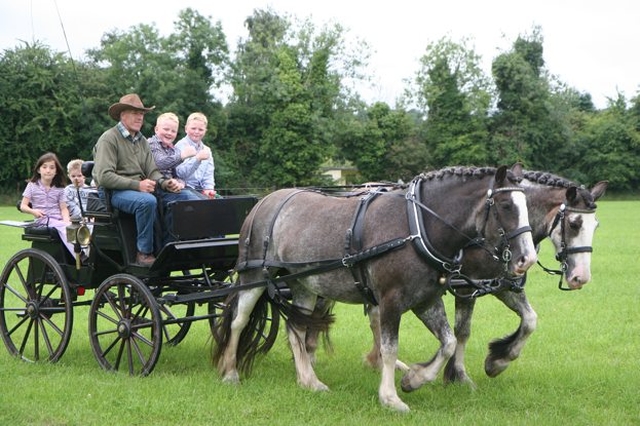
(457, 281)
(505, 247)
(453, 266)
(565, 251)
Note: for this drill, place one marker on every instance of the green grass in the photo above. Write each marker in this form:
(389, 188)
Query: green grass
(580, 367)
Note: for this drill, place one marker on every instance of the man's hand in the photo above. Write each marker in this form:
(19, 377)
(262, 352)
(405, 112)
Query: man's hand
(173, 185)
(147, 185)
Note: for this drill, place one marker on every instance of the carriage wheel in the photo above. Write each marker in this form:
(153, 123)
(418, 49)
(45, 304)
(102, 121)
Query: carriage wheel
(272, 318)
(173, 329)
(125, 326)
(36, 307)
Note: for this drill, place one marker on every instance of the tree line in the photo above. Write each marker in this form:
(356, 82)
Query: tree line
(283, 104)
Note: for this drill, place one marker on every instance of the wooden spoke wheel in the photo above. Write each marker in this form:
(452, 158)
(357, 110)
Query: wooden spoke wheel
(125, 326)
(36, 312)
(271, 319)
(173, 329)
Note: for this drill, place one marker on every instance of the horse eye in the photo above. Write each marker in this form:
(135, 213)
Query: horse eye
(506, 205)
(575, 224)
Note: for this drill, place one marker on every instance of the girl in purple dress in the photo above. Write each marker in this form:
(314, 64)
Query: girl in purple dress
(45, 193)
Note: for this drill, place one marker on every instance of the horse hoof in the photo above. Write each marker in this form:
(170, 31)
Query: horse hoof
(395, 404)
(317, 386)
(232, 378)
(322, 388)
(493, 367)
(405, 384)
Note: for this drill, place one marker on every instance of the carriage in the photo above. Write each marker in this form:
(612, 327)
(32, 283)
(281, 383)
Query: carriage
(398, 249)
(134, 309)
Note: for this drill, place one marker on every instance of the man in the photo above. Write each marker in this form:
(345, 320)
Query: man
(124, 165)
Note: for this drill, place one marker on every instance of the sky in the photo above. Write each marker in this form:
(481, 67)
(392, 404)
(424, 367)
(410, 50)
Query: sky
(590, 46)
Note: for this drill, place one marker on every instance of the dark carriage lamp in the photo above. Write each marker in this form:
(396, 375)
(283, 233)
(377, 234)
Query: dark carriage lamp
(79, 235)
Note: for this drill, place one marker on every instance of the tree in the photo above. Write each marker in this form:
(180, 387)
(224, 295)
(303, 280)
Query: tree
(381, 143)
(525, 127)
(455, 96)
(42, 105)
(286, 88)
(612, 147)
(178, 73)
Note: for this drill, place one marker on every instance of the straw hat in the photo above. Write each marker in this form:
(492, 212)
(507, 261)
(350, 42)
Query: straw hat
(131, 102)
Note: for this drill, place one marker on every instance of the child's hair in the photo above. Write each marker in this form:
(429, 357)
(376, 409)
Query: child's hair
(197, 116)
(168, 116)
(59, 180)
(74, 164)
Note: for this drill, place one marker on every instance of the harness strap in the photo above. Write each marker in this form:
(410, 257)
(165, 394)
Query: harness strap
(318, 266)
(353, 245)
(267, 237)
(351, 260)
(420, 240)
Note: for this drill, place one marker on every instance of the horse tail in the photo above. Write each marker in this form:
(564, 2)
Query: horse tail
(323, 309)
(315, 322)
(253, 340)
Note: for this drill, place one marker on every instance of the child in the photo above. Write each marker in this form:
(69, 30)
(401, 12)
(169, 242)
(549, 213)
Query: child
(45, 192)
(197, 171)
(74, 169)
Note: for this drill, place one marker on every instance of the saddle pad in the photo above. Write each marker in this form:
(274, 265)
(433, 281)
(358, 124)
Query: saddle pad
(214, 218)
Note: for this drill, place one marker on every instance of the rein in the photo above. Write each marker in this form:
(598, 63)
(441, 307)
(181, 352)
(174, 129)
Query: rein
(565, 251)
(467, 288)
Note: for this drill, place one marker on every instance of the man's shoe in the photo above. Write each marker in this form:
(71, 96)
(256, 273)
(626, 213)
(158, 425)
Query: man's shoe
(144, 259)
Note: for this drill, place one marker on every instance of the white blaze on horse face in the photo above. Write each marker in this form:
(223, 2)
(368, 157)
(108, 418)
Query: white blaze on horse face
(578, 271)
(524, 241)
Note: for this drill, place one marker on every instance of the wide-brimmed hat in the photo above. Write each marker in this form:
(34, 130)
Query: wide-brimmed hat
(130, 101)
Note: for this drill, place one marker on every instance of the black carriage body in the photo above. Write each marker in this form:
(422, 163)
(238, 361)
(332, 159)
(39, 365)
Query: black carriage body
(205, 237)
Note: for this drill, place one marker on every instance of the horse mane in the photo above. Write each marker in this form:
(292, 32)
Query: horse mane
(464, 171)
(549, 179)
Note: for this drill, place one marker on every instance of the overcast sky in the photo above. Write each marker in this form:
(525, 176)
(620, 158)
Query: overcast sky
(591, 46)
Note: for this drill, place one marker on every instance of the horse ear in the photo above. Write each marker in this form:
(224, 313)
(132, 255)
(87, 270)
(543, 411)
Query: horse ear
(517, 170)
(598, 189)
(501, 174)
(572, 194)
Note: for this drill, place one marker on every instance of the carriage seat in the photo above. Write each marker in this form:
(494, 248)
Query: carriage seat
(40, 233)
(96, 206)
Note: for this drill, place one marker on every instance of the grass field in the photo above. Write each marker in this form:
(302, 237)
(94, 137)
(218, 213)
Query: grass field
(580, 367)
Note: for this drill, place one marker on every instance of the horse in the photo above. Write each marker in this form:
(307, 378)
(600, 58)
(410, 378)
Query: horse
(558, 209)
(561, 210)
(389, 249)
